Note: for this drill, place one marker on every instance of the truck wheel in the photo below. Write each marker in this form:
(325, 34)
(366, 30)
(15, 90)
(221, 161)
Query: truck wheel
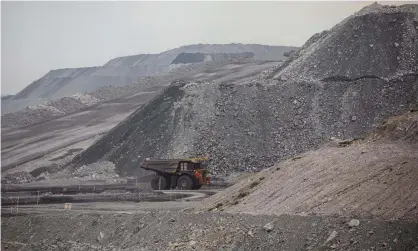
(185, 182)
(155, 183)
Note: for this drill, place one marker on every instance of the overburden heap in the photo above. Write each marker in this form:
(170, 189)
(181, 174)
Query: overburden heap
(341, 83)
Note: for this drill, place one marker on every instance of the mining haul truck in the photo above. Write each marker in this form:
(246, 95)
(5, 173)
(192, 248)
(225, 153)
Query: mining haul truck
(185, 174)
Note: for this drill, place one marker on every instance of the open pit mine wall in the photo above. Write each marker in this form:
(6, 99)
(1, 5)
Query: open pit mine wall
(250, 127)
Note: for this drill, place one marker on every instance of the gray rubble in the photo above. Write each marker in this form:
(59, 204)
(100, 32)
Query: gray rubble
(101, 170)
(377, 42)
(205, 231)
(249, 126)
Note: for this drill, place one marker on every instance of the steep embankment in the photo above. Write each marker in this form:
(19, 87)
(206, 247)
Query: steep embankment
(372, 177)
(251, 125)
(377, 42)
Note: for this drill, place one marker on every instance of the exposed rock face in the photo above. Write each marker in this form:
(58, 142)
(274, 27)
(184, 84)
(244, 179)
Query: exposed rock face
(292, 109)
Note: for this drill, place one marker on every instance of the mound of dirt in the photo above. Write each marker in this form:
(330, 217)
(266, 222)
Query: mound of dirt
(368, 179)
(101, 170)
(248, 126)
(378, 41)
(49, 110)
(17, 178)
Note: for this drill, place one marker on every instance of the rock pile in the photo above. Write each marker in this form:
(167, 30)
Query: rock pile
(49, 110)
(205, 231)
(101, 170)
(377, 42)
(292, 109)
(17, 178)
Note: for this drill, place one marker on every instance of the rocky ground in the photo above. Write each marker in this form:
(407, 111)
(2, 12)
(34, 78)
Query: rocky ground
(173, 230)
(373, 177)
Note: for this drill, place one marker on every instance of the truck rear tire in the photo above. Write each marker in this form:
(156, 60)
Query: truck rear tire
(185, 183)
(155, 183)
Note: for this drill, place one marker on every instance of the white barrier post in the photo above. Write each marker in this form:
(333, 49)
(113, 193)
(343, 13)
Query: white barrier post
(17, 205)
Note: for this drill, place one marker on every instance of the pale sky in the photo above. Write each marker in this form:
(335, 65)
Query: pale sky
(37, 37)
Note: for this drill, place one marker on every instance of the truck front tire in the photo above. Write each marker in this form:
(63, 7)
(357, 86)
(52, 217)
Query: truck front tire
(185, 183)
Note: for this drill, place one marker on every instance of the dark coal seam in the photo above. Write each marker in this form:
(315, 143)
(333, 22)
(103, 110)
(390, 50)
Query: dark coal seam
(339, 78)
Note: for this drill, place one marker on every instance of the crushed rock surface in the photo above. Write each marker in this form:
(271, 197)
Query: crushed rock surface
(204, 231)
(102, 170)
(378, 41)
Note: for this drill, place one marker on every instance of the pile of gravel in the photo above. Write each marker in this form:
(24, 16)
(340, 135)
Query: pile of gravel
(206, 231)
(101, 170)
(251, 126)
(49, 110)
(16, 178)
(378, 41)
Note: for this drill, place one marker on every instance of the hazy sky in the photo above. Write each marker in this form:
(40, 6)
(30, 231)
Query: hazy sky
(37, 37)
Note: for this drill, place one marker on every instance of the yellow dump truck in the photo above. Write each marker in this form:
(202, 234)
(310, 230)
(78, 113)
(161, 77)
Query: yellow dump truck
(185, 174)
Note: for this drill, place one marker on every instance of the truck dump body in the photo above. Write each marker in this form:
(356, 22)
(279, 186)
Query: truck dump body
(161, 165)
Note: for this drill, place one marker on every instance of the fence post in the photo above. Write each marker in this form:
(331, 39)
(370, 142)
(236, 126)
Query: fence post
(17, 206)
